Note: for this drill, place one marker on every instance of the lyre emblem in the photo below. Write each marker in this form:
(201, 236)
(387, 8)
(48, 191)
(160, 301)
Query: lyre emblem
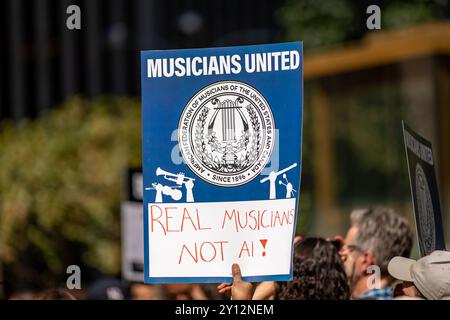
(224, 133)
(228, 144)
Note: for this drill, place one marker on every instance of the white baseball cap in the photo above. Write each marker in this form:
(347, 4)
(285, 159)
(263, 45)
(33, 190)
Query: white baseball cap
(430, 274)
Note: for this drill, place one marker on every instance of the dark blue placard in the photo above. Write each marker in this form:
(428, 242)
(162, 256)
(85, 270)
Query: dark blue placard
(237, 129)
(424, 192)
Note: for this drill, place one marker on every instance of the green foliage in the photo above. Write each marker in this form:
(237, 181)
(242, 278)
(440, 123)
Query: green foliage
(400, 14)
(318, 23)
(60, 182)
(322, 24)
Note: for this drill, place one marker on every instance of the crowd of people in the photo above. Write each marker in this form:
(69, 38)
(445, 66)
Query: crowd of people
(371, 263)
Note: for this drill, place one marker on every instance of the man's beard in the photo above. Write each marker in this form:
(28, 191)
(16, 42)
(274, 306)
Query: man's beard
(353, 277)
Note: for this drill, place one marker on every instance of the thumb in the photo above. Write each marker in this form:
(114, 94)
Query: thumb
(236, 272)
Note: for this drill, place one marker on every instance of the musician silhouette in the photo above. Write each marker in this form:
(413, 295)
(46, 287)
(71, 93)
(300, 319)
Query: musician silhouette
(289, 188)
(180, 179)
(189, 185)
(174, 193)
(272, 179)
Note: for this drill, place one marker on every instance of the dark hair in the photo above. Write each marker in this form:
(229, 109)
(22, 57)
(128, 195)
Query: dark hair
(55, 294)
(318, 273)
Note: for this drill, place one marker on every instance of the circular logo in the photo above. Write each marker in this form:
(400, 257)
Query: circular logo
(226, 133)
(425, 212)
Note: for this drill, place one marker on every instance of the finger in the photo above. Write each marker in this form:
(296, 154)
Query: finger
(223, 285)
(226, 289)
(297, 239)
(236, 272)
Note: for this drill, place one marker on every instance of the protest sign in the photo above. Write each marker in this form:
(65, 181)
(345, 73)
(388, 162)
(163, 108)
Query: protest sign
(132, 228)
(221, 161)
(424, 192)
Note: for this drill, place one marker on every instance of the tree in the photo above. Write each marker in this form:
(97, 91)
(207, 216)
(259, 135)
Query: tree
(60, 182)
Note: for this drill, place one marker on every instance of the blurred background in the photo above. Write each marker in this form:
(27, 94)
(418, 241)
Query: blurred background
(70, 114)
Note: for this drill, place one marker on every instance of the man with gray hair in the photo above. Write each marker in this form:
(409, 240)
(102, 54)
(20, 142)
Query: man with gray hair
(374, 238)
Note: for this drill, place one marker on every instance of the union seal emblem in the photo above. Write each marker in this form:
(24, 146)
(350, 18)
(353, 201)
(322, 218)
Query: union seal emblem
(226, 133)
(426, 226)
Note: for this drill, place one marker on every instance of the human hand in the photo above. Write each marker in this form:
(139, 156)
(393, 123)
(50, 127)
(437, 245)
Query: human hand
(342, 247)
(197, 293)
(265, 291)
(297, 238)
(240, 290)
(341, 241)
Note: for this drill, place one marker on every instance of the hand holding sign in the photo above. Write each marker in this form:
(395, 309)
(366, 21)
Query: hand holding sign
(240, 290)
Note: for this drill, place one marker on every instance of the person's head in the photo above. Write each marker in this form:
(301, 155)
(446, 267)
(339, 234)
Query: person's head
(184, 291)
(428, 277)
(374, 238)
(143, 291)
(108, 289)
(318, 273)
(178, 291)
(55, 294)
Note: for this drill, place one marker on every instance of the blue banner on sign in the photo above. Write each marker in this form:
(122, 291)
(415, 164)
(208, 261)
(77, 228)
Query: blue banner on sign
(222, 130)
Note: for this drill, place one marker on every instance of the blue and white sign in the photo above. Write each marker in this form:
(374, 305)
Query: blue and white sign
(222, 131)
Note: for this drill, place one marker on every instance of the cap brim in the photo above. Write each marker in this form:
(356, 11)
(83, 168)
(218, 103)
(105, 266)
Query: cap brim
(400, 268)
